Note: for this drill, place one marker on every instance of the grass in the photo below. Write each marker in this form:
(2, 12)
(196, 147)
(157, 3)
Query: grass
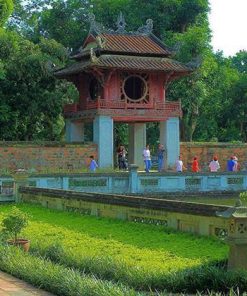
(138, 255)
(56, 278)
(73, 254)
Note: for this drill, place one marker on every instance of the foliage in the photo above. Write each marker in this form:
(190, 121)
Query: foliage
(6, 8)
(55, 278)
(218, 77)
(14, 222)
(243, 196)
(31, 98)
(239, 61)
(237, 108)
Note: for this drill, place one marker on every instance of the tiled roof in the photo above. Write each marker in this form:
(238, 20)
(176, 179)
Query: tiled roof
(129, 44)
(142, 44)
(135, 63)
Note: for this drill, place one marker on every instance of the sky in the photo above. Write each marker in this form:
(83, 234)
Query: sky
(228, 22)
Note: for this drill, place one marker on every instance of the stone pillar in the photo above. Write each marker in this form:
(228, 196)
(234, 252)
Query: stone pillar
(237, 236)
(137, 142)
(169, 137)
(133, 178)
(74, 131)
(20, 180)
(237, 240)
(103, 137)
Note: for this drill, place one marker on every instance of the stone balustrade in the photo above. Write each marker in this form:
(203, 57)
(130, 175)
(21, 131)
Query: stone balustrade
(133, 182)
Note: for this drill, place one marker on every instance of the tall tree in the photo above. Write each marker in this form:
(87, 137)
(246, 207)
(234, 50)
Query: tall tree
(6, 8)
(239, 61)
(31, 98)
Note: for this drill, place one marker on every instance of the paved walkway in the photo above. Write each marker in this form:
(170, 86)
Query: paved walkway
(10, 286)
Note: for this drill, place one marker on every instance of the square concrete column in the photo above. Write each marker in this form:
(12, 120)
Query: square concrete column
(74, 131)
(137, 142)
(169, 137)
(103, 137)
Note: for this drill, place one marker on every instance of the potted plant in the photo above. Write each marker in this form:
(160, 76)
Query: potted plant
(13, 223)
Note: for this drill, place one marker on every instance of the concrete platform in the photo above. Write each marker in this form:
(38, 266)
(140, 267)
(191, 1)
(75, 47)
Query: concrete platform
(11, 286)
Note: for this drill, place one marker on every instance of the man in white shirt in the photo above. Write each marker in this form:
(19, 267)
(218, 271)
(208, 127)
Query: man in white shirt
(147, 158)
(179, 165)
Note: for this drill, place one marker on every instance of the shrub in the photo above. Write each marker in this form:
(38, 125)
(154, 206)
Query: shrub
(14, 222)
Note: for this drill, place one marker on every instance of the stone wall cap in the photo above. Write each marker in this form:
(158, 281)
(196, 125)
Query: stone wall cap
(239, 211)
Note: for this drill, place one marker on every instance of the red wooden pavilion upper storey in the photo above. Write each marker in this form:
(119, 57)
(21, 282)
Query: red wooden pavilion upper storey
(123, 75)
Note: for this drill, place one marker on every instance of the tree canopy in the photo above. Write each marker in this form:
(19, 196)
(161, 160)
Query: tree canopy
(6, 8)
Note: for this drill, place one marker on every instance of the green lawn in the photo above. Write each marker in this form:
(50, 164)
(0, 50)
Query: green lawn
(146, 246)
(127, 254)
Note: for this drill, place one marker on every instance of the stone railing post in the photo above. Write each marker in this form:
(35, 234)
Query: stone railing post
(133, 178)
(20, 179)
(237, 236)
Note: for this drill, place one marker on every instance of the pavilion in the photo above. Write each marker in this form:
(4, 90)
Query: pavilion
(122, 77)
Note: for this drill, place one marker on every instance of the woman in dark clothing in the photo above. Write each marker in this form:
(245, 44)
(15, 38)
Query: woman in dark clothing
(121, 154)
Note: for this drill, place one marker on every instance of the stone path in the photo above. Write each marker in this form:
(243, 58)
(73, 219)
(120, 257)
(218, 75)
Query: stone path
(11, 286)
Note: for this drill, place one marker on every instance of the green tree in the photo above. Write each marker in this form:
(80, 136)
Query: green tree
(31, 98)
(239, 61)
(237, 108)
(6, 8)
(215, 122)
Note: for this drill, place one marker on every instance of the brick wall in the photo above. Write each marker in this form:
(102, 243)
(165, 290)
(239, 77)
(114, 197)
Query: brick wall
(54, 156)
(205, 152)
(45, 156)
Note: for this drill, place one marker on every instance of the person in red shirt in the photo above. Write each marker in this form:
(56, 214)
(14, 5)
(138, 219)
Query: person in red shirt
(195, 165)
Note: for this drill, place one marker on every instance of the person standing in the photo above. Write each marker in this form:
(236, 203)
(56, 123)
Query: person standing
(214, 165)
(147, 158)
(179, 165)
(121, 155)
(93, 164)
(236, 164)
(160, 155)
(195, 165)
(230, 164)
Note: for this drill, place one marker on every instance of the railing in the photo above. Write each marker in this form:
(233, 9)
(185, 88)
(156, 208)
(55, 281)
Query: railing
(117, 104)
(133, 182)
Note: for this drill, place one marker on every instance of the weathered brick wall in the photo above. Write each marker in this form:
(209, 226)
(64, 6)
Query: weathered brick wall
(54, 156)
(205, 152)
(45, 156)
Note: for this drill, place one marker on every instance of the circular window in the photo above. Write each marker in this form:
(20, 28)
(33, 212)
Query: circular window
(94, 89)
(135, 88)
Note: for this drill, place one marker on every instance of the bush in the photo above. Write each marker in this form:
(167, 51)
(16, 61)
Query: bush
(14, 222)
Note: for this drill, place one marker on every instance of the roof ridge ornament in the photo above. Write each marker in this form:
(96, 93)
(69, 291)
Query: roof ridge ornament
(93, 56)
(95, 26)
(121, 24)
(146, 29)
(101, 41)
(98, 28)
